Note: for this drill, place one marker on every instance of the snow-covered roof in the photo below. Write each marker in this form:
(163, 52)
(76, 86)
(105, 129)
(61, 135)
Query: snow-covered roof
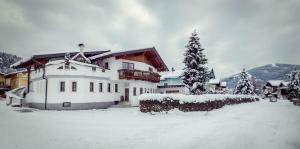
(171, 74)
(214, 81)
(223, 84)
(15, 72)
(285, 83)
(71, 61)
(82, 55)
(275, 82)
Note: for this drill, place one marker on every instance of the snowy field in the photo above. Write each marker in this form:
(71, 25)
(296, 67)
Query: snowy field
(258, 125)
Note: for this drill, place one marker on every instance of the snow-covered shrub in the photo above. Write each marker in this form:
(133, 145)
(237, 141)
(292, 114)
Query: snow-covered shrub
(186, 103)
(244, 85)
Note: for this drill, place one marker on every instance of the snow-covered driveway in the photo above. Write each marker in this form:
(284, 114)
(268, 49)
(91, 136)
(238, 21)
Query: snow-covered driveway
(259, 125)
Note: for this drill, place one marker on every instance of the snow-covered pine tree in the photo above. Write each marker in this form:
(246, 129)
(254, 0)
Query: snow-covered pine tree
(244, 85)
(195, 73)
(294, 84)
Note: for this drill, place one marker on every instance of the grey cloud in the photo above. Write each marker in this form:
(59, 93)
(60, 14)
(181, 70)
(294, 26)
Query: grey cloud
(236, 34)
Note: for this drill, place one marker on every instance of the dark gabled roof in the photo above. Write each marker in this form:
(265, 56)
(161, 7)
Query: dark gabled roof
(129, 52)
(53, 56)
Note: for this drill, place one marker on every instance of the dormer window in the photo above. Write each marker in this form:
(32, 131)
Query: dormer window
(61, 67)
(72, 67)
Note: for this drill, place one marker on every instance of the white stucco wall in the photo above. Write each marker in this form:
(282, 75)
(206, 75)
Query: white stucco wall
(83, 75)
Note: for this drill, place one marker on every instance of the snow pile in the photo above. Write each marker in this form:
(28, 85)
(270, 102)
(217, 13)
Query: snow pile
(193, 98)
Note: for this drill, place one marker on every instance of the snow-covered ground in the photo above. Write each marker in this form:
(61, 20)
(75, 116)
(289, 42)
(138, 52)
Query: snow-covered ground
(258, 125)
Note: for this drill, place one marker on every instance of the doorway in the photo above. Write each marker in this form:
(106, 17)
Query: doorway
(126, 94)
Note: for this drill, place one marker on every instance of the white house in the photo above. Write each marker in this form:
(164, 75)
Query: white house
(91, 80)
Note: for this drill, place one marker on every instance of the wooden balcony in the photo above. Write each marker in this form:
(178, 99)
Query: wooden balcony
(139, 75)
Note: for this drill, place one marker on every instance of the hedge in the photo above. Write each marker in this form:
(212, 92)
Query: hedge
(168, 103)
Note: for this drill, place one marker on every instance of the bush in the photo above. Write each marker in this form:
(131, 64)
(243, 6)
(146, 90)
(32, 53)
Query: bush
(169, 103)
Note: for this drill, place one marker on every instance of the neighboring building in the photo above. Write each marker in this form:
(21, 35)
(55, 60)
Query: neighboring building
(2, 79)
(171, 82)
(275, 86)
(91, 80)
(17, 79)
(216, 86)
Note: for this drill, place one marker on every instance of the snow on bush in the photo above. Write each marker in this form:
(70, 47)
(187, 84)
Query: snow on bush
(186, 103)
(193, 98)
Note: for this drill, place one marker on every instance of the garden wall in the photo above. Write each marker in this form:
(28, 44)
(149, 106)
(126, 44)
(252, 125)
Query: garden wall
(187, 103)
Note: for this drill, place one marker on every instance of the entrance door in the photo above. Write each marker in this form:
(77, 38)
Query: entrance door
(126, 94)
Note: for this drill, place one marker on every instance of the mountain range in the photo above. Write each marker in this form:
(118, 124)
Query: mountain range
(264, 73)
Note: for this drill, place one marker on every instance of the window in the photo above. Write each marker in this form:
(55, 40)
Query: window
(91, 86)
(61, 67)
(106, 66)
(145, 90)
(100, 87)
(66, 104)
(126, 65)
(62, 86)
(141, 91)
(108, 87)
(134, 91)
(150, 69)
(116, 88)
(67, 65)
(74, 86)
(72, 67)
(94, 68)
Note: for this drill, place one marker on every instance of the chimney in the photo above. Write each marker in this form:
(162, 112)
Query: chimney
(81, 46)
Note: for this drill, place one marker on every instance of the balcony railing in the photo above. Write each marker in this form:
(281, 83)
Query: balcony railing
(139, 75)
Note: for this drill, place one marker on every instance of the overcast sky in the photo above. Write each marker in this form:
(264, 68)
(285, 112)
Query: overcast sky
(235, 34)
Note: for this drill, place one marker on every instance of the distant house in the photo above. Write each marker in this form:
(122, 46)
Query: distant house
(17, 79)
(171, 82)
(2, 79)
(216, 86)
(275, 86)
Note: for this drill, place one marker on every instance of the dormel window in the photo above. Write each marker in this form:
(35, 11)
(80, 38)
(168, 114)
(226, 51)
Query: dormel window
(72, 67)
(108, 87)
(129, 66)
(116, 88)
(74, 86)
(61, 67)
(91, 86)
(106, 66)
(100, 87)
(94, 68)
(62, 86)
(134, 91)
(141, 91)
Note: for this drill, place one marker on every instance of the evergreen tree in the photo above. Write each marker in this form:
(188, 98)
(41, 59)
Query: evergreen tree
(195, 73)
(244, 85)
(294, 84)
